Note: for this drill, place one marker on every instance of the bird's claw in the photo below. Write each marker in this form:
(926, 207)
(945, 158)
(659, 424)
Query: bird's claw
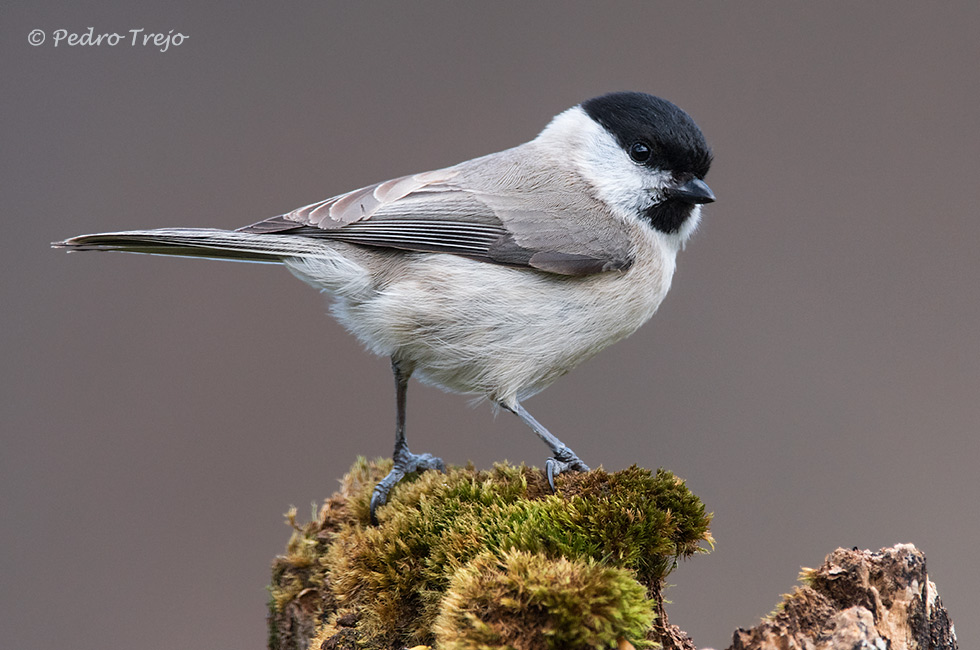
(564, 460)
(405, 463)
(422, 462)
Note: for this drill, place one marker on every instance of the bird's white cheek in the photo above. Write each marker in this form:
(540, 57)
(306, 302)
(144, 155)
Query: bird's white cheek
(688, 227)
(619, 182)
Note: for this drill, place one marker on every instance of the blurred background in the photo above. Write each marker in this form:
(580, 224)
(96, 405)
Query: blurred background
(814, 373)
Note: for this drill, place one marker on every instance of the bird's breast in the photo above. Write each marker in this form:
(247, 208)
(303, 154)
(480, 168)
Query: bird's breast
(503, 332)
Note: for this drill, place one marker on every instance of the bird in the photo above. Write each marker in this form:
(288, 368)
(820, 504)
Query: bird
(495, 276)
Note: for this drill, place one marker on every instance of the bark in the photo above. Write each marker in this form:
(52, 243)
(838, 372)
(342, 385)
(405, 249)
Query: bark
(858, 599)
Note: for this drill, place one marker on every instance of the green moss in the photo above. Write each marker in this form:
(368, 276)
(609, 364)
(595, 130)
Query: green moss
(585, 559)
(518, 597)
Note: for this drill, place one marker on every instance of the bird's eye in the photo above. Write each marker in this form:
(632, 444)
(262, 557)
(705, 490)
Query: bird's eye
(640, 152)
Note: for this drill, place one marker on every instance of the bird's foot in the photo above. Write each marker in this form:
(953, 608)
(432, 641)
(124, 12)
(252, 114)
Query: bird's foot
(564, 460)
(405, 463)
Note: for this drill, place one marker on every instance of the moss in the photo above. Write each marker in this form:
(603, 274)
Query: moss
(583, 563)
(532, 601)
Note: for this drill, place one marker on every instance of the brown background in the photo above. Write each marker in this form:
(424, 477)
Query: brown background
(813, 374)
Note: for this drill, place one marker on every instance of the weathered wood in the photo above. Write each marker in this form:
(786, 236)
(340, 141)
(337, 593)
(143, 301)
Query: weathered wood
(858, 599)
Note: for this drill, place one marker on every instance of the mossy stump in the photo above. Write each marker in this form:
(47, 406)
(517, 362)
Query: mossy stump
(469, 560)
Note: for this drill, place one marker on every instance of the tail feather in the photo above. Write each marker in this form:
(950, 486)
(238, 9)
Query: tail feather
(198, 242)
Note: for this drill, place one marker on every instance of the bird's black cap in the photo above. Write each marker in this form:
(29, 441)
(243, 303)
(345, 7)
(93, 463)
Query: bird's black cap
(676, 142)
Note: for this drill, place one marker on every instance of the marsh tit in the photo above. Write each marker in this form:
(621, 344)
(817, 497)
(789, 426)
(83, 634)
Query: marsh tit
(496, 276)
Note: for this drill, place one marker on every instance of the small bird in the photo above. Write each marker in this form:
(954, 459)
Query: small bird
(496, 276)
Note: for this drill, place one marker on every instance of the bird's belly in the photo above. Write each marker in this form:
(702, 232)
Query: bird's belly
(506, 333)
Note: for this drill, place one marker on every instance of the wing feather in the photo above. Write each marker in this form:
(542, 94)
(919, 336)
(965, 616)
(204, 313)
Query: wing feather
(496, 209)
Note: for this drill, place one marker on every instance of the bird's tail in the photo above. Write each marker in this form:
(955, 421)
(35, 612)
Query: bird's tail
(199, 242)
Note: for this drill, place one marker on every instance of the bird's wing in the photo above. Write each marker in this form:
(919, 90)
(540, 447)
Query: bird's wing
(495, 209)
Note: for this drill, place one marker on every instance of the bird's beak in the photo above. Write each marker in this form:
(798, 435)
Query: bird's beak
(693, 191)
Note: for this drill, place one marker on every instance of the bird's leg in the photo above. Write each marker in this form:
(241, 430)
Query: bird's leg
(405, 462)
(564, 459)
